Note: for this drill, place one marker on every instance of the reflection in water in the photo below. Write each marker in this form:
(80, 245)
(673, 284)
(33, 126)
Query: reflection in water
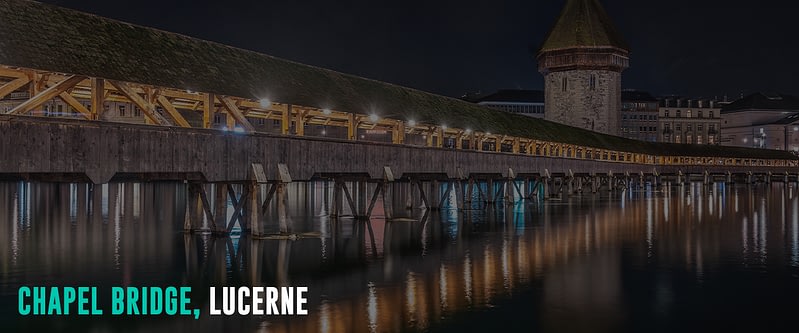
(609, 262)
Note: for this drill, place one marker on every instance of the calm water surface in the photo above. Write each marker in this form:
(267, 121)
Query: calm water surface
(689, 258)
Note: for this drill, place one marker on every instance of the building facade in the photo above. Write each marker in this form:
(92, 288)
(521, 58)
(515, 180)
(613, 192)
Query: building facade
(762, 120)
(581, 60)
(525, 102)
(639, 116)
(689, 121)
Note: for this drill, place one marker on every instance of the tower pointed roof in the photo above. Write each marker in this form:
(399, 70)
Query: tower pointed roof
(583, 24)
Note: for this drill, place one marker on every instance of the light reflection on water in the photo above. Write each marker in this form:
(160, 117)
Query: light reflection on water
(605, 262)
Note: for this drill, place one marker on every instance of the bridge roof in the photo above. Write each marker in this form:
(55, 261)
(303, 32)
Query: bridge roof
(46, 37)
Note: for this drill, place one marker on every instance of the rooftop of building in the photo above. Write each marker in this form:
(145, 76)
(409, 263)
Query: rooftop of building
(764, 102)
(637, 96)
(583, 24)
(509, 96)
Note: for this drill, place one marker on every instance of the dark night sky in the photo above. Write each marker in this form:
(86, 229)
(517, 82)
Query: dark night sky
(691, 47)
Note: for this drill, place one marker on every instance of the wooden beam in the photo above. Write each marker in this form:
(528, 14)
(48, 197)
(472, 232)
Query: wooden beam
(172, 112)
(208, 110)
(67, 98)
(13, 86)
(98, 98)
(8, 72)
(146, 107)
(46, 95)
(234, 112)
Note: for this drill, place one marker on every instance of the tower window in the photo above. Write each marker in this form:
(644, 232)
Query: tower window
(565, 84)
(592, 82)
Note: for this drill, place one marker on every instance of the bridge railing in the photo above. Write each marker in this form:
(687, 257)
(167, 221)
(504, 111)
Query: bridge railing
(26, 91)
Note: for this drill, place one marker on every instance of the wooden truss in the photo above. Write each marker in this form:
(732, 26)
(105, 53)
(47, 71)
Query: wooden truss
(168, 106)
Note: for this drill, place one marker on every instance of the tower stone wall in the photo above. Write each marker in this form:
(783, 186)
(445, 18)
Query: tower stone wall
(588, 99)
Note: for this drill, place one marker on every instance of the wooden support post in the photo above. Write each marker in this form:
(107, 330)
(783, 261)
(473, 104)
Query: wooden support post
(440, 142)
(285, 120)
(362, 197)
(299, 123)
(284, 178)
(490, 194)
(208, 101)
(335, 209)
(253, 210)
(351, 202)
(269, 196)
(206, 205)
(378, 189)
(422, 195)
(445, 197)
(434, 195)
(194, 208)
(352, 127)
(238, 207)
(220, 207)
(388, 199)
(467, 194)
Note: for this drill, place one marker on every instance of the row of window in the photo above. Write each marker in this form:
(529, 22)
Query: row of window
(711, 139)
(688, 114)
(639, 117)
(640, 129)
(689, 127)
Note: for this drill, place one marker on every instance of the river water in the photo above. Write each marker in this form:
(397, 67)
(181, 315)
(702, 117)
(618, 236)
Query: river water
(680, 258)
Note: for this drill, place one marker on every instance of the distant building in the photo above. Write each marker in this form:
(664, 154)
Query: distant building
(762, 120)
(639, 116)
(582, 59)
(525, 102)
(690, 121)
